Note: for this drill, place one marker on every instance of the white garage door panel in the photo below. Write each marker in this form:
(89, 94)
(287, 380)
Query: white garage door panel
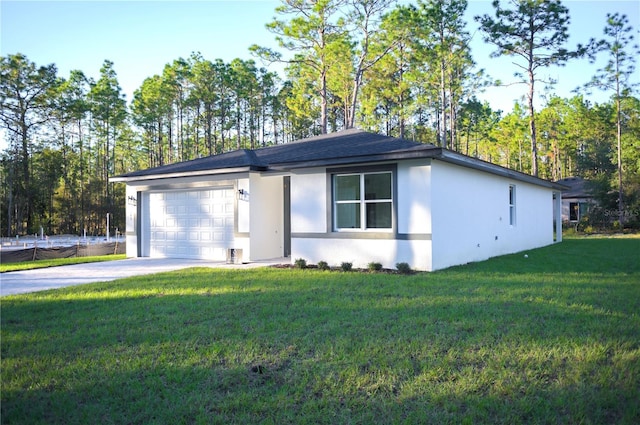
(192, 224)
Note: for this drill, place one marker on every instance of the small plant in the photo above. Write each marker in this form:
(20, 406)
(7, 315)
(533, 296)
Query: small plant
(323, 265)
(300, 263)
(403, 268)
(374, 267)
(346, 266)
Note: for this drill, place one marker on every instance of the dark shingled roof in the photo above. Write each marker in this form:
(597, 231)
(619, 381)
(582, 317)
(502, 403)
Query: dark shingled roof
(341, 148)
(577, 188)
(327, 148)
(242, 158)
(344, 144)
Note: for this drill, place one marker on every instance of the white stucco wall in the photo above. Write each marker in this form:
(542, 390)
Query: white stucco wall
(145, 223)
(360, 252)
(242, 207)
(414, 197)
(470, 215)
(131, 221)
(414, 214)
(309, 201)
(266, 212)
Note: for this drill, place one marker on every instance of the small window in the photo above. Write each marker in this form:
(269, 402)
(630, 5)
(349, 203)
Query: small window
(574, 212)
(512, 205)
(363, 201)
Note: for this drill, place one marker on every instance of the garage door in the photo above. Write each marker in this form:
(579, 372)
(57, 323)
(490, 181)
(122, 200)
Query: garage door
(191, 224)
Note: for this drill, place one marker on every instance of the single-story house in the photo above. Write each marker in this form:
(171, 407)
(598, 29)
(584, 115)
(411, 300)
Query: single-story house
(577, 201)
(350, 196)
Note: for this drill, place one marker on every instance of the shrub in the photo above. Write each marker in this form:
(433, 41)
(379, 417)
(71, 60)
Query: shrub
(374, 267)
(322, 265)
(403, 268)
(300, 263)
(346, 266)
(569, 231)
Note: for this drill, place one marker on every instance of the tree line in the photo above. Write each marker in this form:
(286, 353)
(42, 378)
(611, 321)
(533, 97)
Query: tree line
(405, 71)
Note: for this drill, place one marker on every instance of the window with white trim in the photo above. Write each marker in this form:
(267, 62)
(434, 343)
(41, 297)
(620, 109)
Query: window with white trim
(363, 201)
(512, 205)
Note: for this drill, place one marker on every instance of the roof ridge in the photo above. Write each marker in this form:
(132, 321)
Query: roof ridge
(319, 137)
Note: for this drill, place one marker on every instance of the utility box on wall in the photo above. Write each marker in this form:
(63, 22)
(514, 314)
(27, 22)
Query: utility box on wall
(234, 256)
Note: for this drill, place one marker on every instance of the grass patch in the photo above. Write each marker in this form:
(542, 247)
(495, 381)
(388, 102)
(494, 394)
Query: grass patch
(553, 338)
(40, 264)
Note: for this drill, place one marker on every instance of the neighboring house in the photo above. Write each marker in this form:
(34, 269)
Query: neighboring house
(576, 200)
(350, 196)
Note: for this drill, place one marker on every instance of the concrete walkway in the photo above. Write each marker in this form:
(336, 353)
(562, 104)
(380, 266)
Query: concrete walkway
(21, 282)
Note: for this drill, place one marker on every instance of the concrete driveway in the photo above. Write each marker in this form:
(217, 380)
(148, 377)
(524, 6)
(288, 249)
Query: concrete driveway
(77, 274)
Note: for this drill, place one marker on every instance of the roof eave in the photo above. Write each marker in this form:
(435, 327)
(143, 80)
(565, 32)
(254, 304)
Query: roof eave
(129, 179)
(431, 152)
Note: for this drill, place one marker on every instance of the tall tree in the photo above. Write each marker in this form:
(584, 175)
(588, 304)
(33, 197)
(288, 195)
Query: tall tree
(47, 172)
(616, 75)
(224, 87)
(476, 122)
(270, 106)
(205, 97)
(25, 94)
(176, 79)
(245, 87)
(446, 50)
(363, 18)
(312, 28)
(511, 135)
(151, 109)
(69, 121)
(534, 32)
(109, 113)
(340, 80)
(301, 101)
(387, 91)
(595, 151)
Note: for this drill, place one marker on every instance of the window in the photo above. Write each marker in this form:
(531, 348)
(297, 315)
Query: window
(363, 201)
(577, 210)
(573, 211)
(512, 205)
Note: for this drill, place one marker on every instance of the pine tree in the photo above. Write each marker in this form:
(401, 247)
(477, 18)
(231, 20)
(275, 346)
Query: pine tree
(25, 92)
(534, 32)
(616, 77)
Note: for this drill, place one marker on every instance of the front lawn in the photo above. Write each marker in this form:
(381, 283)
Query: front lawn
(55, 262)
(552, 338)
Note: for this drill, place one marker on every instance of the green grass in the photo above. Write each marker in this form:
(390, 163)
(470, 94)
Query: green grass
(39, 264)
(553, 338)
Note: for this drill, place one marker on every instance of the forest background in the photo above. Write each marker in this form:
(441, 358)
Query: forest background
(401, 69)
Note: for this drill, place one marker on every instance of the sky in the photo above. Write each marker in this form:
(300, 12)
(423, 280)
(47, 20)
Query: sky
(140, 37)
